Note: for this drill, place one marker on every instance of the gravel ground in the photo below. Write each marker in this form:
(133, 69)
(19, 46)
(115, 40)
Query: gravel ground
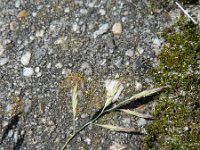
(43, 42)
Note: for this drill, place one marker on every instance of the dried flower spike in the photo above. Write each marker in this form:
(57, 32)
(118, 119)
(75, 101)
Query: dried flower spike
(113, 90)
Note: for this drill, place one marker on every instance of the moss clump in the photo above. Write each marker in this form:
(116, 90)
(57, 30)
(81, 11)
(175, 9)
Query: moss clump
(177, 112)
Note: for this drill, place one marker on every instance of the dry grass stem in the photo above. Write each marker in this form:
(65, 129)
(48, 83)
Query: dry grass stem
(146, 116)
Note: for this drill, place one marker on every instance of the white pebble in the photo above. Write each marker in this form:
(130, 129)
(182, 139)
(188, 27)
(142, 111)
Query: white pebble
(10, 133)
(88, 141)
(3, 61)
(27, 105)
(67, 10)
(17, 3)
(39, 33)
(117, 28)
(156, 42)
(64, 71)
(49, 65)
(34, 14)
(83, 11)
(58, 65)
(138, 86)
(91, 4)
(129, 53)
(1, 49)
(75, 27)
(141, 122)
(39, 74)
(37, 69)
(4, 123)
(28, 72)
(140, 50)
(9, 107)
(102, 12)
(25, 59)
(104, 28)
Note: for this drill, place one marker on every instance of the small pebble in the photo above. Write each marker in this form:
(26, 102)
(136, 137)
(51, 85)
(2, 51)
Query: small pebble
(140, 50)
(59, 65)
(102, 12)
(83, 11)
(3, 61)
(22, 13)
(49, 65)
(86, 68)
(34, 14)
(88, 141)
(67, 10)
(39, 74)
(84, 116)
(103, 28)
(1, 49)
(137, 65)
(37, 69)
(129, 53)
(157, 42)
(4, 123)
(138, 86)
(15, 137)
(39, 33)
(17, 3)
(27, 105)
(117, 28)
(25, 59)
(75, 27)
(64, 72)
(186, 128)
(141, 122)
(91, 4)
(28, 72)
(9, 107)
(10, 133)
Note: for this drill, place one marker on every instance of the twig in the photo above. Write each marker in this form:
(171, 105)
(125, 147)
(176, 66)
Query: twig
(186, 13)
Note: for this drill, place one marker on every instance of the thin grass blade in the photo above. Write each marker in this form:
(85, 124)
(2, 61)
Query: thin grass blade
(130, 112)
(140, 95)
(75, 99)
(117, 128)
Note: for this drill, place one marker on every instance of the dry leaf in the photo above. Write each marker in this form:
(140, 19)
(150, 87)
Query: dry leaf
(117, 128)
(146, 116)
(23, 13)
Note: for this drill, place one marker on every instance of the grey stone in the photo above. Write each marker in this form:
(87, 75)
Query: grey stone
(1, 49)
(28, 72)
(102, 29)
(141, 122)
(25, 59)
(3, 61)
(137, 65)
(86, 68)
(27, 105)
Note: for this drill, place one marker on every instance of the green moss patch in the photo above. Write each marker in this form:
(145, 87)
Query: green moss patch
(177, 111)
